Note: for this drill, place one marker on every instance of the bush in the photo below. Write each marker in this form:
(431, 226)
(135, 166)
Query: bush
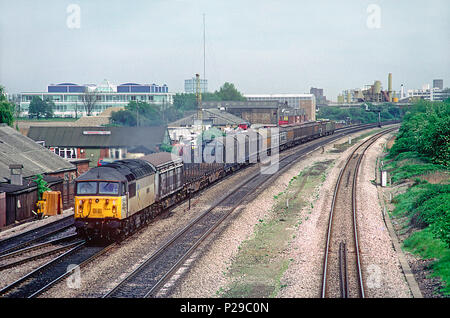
(426, 130)
(427, 204)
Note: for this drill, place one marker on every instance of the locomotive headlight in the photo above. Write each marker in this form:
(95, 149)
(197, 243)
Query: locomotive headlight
(107, 201)
(90, 200)
(97, 200)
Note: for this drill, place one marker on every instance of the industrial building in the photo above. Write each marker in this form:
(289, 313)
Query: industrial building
(68, 97)
(318, 93)
(255, 112)
(370, 93)
(189, 127)
(292, 100)
(266, 113)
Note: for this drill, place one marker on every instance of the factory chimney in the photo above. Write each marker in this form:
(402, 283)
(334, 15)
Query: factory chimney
(16, 174)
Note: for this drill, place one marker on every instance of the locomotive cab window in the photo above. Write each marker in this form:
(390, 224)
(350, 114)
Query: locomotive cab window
(108, 188)
(89, 187)
(132, 190)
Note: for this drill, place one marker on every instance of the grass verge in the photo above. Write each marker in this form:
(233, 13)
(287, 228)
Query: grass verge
(427, 208)
(258, 268)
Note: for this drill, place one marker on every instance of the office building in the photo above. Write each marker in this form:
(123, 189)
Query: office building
(318, 93)
(438, 83)
(68, 97)
(190, 85)
(428, 93)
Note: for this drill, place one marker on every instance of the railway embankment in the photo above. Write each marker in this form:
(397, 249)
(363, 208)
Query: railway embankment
(417, 195)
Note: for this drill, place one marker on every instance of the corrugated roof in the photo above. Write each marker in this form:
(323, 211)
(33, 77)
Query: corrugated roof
(242, 104)
(16, 148)
(28, 184)
(99, 137)
(217, 116)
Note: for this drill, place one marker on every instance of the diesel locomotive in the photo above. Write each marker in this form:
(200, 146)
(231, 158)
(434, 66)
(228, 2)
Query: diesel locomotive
(114, 199)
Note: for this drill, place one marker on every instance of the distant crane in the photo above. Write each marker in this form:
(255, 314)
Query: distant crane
(377, 110)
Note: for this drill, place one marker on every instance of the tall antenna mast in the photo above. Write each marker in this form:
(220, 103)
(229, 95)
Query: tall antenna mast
(204, 49)
(199, 99)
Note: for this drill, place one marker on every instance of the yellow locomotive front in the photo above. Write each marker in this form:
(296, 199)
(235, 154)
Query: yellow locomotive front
(98, 207)
(109, 199)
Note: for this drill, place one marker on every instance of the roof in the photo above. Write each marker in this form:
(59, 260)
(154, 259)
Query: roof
(161, 158)
(16, 148)
(100, 137)
(28, 185)
(119, 170)
(278, 95)
(217, 116)
(242, 104)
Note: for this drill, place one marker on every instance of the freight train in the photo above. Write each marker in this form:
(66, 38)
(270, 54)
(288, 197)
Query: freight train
(115, 199)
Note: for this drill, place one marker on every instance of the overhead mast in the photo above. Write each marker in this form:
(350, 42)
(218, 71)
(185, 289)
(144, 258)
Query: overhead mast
(204, 49)
(199, 99)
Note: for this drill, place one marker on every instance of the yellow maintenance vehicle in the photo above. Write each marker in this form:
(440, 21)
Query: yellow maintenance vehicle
(51, 204)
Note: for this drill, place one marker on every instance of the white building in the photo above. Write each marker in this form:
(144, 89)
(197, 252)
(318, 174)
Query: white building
(68, 97)
(427, 93)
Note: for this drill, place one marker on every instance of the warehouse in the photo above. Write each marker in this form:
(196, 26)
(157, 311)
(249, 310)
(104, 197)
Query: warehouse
(255, 112)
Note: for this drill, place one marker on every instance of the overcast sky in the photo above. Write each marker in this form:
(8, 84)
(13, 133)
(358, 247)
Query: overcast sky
(260, 46)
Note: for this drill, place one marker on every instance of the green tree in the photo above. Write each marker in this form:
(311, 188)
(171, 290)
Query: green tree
(40, 108)
(426, 130)
(6, 109)
(184, 102)
(123, 118)
(138, 113)
(48, 110)
(188, 102)
(42, 185)
(229, 92)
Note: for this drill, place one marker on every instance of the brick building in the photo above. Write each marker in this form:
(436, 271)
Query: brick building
(98, 143)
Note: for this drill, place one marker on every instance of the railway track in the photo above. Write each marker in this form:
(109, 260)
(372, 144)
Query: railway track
(155, 271)
(30, 237)
(16, 258)
(171, 255)
(342, 274)
(41, 279)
